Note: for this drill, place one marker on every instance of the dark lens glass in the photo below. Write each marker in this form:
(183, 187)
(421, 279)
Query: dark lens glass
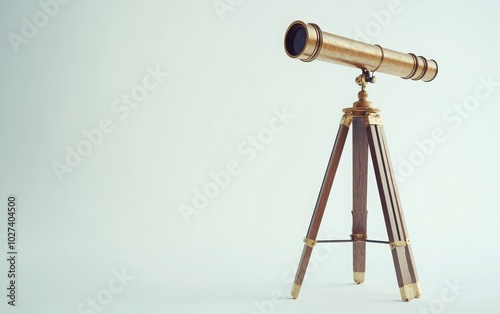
(296, 40)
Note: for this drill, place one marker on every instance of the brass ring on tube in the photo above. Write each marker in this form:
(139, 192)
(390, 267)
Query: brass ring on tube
(381, 58)
(423, 70)
(319, 43)
(415, 67)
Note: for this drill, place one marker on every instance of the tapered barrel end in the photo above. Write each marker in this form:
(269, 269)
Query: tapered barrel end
(422, 69)
(432, 70)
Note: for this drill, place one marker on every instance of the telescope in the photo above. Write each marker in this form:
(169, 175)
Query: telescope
(307, 42)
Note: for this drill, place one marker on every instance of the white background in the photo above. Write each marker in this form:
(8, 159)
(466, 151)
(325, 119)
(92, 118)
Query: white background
(118, 210)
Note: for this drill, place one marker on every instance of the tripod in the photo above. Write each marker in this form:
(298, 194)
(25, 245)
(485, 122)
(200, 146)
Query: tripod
(367, 132)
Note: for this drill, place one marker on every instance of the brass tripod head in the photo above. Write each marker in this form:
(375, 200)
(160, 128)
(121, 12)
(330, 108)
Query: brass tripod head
(362, 107)
(362, 104)
(364, 78)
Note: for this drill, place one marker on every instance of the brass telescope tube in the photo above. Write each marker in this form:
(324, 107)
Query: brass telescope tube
(307, 43)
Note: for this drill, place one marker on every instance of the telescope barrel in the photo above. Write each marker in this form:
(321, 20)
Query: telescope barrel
(307, 42)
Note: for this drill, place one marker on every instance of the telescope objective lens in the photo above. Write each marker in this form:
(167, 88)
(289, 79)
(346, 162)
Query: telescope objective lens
(296, 40)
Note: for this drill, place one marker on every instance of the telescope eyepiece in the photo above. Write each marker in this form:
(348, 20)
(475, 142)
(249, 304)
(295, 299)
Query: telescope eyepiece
(295, 40)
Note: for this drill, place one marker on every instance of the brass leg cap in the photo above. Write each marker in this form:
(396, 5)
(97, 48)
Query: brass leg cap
(295, 290)
(416, 289)
(407, 293)
(359, 277)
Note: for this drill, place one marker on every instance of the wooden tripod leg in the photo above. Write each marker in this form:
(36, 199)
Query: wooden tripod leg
(359, 213)
(391, 206)
(408, 251)
(312, 232)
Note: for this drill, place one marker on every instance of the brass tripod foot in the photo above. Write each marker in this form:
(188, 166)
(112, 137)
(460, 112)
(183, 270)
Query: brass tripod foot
(359, 277)
(407, 292)
(416, 289)
(295, 291)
